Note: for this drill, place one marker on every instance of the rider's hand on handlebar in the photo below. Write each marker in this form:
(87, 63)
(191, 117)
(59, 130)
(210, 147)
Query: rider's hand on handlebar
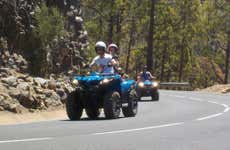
(110, 64)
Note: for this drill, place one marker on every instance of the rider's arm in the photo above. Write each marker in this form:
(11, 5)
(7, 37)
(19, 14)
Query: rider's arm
(151, 76)
(114, 62)
(139, 76)
(93, 62)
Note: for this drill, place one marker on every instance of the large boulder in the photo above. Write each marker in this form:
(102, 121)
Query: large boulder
(23, 86)
(61, 92)
(14, 93)
(40, 81)
(53, 100)
(9, 104)
(1, 108)
(13, 61)
(11, 80)
(52, 85)
(27, 100)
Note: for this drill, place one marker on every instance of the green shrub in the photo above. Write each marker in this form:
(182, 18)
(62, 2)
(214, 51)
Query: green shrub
(49, 26)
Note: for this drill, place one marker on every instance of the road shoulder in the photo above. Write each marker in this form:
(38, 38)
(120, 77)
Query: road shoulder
(8, 118)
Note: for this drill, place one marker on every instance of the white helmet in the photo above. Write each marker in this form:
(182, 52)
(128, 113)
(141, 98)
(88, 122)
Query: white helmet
(100, 44)
(113, 45)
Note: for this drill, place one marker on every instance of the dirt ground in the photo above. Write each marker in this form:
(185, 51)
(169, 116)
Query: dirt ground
(220, 88)
(7, 118)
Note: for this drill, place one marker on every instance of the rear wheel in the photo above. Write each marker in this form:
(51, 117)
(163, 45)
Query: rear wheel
(74, 106)
(131, 110)
(112, 107)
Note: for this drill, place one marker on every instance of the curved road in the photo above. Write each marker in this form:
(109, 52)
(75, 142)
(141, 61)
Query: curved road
(179, 121)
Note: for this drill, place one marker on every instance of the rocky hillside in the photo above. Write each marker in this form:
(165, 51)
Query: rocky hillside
(50, 34)
(220, 88)
(39, 38)
(20, 92)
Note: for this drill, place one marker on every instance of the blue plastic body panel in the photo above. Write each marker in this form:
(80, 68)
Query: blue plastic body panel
(126, 85)
(148, 82)
(123, 86)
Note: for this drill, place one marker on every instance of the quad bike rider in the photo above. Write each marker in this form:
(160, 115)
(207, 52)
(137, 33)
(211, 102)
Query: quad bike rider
(113, 51)
(102, 89)
(103, 60)
(146, 85)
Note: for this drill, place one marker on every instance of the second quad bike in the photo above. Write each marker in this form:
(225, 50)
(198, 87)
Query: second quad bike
(148, 88)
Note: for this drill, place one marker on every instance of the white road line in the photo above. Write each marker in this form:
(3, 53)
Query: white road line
(209, 117)
(139, 129)
(196, 99)
(213, 102)
(177, 96)
(227, 108)
(26, 140)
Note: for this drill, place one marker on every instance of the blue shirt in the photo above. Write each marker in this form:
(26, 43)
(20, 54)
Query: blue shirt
(146, 75)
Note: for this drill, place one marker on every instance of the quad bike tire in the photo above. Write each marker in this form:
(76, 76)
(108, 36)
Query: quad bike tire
(112, 106)
(155, 97)
(131, 109)
(74, 106)
(92, 109)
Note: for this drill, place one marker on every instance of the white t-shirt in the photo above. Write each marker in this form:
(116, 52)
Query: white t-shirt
(103, 62)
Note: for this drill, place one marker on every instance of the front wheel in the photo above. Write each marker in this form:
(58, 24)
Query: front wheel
(74, 107)
(92, 109)
(92, 113)
(131, 110)
(155, 96)
(112, 107)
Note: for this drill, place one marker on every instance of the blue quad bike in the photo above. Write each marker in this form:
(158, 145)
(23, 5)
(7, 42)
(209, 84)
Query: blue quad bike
(148, 88)
(97, 91)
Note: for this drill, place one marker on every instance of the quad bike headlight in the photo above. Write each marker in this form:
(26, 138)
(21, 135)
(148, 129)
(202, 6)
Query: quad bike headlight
(141, 84)
(105, 81)
(75, 82)
(155, 84)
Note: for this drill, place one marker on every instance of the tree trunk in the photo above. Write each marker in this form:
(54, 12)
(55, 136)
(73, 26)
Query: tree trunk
(181, 61)
(163, 62)
(131, 40)
(227, 61)
(150, 38)
(118, 24)
(111, 24)
(100, 36)
(182, 47)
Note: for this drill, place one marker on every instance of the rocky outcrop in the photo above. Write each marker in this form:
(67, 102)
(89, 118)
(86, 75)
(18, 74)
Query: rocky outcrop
(13, 61)
(20, 92)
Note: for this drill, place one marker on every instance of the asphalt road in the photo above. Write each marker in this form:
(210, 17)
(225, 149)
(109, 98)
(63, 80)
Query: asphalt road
(179, 121)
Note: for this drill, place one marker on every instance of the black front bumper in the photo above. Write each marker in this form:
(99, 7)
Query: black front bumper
(147, 91)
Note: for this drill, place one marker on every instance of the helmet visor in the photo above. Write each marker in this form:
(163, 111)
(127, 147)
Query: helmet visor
(99, 48)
